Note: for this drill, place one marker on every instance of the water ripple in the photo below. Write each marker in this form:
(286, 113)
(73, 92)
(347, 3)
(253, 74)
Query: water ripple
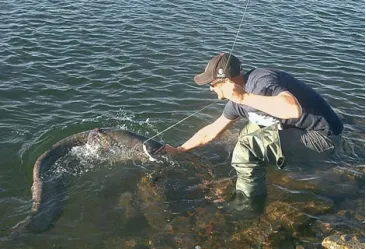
(67, 65)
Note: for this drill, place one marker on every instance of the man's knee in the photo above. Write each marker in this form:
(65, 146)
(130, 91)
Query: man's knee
(243, 155)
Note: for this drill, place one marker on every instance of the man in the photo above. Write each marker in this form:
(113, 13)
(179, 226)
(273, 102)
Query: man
(287, 121)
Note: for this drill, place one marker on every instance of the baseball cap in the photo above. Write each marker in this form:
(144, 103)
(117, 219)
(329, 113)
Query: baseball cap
(223, 65)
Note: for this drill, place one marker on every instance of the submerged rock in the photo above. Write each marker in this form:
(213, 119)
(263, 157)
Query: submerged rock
(343, 241)
(126, 203)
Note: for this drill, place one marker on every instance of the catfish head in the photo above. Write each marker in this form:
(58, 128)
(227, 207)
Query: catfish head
(100, 140)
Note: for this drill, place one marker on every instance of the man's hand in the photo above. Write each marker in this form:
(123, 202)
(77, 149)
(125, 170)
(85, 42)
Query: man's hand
(172, 150)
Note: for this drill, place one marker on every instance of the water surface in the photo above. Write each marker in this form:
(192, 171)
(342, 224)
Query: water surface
(69, 66)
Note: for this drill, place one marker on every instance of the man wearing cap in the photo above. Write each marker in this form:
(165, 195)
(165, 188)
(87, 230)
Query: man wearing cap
(286, 122)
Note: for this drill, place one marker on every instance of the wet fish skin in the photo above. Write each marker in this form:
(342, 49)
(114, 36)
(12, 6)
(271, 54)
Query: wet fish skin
(48, 194)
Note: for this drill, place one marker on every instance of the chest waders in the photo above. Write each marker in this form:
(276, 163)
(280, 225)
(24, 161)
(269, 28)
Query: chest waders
(256, 147)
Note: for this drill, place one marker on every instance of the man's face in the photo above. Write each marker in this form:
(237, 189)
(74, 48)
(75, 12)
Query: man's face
(216, 87)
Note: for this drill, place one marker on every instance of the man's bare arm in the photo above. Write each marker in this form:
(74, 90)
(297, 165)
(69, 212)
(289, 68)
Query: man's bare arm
(207, 134)
(284, 105)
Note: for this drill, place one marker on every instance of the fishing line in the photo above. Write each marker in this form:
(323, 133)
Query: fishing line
(143, 144)
(237, 33)
(232, 48)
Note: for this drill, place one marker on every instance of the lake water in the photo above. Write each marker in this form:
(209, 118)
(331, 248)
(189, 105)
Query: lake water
(69, 66)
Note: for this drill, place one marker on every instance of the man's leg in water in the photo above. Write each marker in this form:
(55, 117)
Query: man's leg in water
(256, 147)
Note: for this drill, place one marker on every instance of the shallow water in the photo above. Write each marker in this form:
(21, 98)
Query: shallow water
(71, 66)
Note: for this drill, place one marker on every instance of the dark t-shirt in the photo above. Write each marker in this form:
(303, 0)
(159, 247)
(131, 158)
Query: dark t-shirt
(316, 113)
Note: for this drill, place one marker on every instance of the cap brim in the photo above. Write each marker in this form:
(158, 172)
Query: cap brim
(203, 79)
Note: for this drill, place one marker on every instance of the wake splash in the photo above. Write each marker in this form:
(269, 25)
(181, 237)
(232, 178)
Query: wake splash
(90, 157)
